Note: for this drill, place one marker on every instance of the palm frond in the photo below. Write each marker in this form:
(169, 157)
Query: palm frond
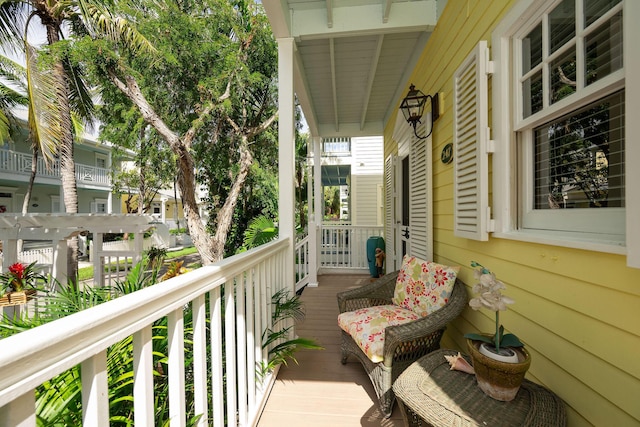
(4, 127)
(261, 230)
(13, 16)
(101, 23)
(12, 72)
(80, 99)
(12, 78)
(44, 108)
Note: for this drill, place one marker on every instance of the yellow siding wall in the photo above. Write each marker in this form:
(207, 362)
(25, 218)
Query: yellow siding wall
(169, 207)
(577, 311)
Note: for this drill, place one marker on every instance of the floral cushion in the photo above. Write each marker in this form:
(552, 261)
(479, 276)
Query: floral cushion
(423, 286)
(441, 281)
(366, 326)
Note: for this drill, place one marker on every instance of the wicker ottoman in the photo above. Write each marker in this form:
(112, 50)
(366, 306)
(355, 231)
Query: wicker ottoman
(430, 394)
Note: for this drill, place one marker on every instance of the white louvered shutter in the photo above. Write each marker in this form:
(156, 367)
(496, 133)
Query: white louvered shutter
(420, 198)
(389, 209)
(471, 143)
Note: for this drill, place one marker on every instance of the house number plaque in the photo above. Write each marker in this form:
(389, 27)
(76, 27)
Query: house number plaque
(447, 154)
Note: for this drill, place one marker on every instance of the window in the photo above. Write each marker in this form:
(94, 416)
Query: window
(101, 161)
(99, 206)
(562, 68)
(55, 204)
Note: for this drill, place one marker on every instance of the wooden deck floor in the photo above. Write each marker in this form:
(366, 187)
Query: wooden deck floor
(320, 391)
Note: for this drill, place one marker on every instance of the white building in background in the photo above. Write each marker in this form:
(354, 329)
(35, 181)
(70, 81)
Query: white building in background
(93, 176)
(356, 166)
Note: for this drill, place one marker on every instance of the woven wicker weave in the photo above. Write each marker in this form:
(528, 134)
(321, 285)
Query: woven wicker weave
(430, 394)
(403, 344)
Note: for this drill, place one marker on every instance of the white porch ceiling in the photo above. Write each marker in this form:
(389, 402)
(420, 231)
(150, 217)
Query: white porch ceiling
(353, 57)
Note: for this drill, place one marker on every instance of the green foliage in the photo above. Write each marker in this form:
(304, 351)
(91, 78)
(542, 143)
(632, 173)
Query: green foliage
(156, 256)
(213, 79)
(332, 202)
(176, 231)
(261, 230)
(280, 348)
(59, 400)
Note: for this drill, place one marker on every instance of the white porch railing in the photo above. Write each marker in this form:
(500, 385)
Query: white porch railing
(345, 246)
(238, 305)
(20, 163)
(92, 174)
(302, 263)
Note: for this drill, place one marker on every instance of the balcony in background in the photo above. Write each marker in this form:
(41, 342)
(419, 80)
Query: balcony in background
(17, 163)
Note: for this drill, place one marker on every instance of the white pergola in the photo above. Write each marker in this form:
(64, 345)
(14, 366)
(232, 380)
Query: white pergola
(59, 228)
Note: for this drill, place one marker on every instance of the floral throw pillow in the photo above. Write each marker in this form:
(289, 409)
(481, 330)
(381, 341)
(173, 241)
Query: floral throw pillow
(423, 286)
(366, 326)
(440, 285)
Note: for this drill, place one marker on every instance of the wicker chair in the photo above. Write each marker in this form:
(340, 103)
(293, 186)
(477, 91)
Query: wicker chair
(403, 344)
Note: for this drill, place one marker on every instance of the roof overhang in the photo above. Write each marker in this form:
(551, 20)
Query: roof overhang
(352, 58)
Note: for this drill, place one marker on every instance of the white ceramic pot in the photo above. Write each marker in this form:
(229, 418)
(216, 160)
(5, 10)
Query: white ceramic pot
(506, 355)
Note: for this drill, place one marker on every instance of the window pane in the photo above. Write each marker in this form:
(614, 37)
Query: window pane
(594, 9)
(532, 49)
(562, 24)
(604, 50)
(563, 76)
(532, 94)
(579, 158)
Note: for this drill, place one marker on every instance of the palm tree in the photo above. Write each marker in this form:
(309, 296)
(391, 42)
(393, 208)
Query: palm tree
(57, 90)
(10, 95)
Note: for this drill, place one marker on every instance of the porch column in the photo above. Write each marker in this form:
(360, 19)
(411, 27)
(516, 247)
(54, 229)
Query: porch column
(59, 268)
(110, 203)
(98, 269)
(138, 246)
(286, 154)
(318, 201)
(163, 210)
(9, 256)
(9, 253)
(315, 207)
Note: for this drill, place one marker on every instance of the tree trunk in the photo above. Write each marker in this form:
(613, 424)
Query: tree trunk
(175, 209)
(186, 182)
(210, 249)
(65, 152)
(225, 215)
(27, 196)
(32, 178)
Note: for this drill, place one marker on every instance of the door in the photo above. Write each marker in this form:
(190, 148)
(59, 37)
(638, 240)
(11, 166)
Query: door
(404, 232)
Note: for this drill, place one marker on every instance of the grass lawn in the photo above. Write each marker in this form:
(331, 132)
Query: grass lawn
(86, 273)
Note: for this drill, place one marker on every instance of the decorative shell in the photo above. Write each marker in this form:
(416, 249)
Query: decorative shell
(459, 363)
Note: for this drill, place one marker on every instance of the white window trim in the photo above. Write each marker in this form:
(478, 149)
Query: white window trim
(55, 201)
(96, 202)
(100, 156)
(505, 201)
(14, 202)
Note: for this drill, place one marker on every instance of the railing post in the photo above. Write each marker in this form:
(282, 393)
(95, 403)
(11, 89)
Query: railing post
(177, 406)
(143, 377)
(20, 412)
(95, 391)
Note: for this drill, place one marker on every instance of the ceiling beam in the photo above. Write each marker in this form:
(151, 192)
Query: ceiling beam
(279, 17)
(334, 85)
(387, 10)
(367, 19)
(372, 74)
(301, 86)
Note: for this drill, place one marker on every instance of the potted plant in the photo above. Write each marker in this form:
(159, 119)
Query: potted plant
(500, 360)
(19, 283)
